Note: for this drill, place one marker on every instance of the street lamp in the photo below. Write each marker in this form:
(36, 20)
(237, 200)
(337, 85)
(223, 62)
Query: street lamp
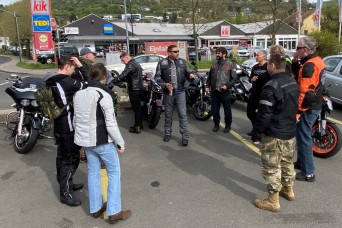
(17, 30)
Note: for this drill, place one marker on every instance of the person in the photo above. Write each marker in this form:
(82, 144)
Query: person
(68, 157)
(86, 58)
(96, 129)
(222, 76)
(133, 74)
(278, 49)
(310, 71)
(258, 77)
(171, 74)
(275, 127)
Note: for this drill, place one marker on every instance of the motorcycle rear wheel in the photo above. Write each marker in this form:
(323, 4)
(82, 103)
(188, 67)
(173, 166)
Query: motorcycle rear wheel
(203, 113)
(327, 145)
(26, 142)
(154, 116)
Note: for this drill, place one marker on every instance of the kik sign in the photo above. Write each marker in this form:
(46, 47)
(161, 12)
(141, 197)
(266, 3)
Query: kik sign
(41, 23)
(108, 29)
(40, 7)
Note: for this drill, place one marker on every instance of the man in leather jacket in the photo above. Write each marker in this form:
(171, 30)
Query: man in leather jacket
(222, 76)
(133, 74)
(171, 74)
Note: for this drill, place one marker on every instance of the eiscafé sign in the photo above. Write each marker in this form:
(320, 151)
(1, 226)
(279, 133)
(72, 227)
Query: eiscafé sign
(40, 7)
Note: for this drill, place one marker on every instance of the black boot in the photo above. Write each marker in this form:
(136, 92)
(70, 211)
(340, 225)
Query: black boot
(135, 129)
(70, 200)
(216, 128)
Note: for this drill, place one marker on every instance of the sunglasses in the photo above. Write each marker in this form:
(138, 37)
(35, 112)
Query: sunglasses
(175, 51)
(298, 48)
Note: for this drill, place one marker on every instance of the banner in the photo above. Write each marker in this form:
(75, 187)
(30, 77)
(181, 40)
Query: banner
(158, 47)
(299, 13)
(340, 10)
(43, 41)
(317, 15)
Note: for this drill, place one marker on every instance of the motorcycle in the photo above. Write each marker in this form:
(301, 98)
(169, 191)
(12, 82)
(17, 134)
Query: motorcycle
(26, 123)
(152, 103)
(240, 89)
(326, 135)
(198, 99)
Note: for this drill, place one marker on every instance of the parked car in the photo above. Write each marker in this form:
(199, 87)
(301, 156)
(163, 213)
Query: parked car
(333, 77)
(48, 56)
(148, 62)
(248, 64)
(239, 50)
(192, 54)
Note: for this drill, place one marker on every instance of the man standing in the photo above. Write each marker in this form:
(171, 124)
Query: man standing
(68, 157)
(133, 74)
(275, 126)
(87, 58)
(310, 71)
(171, 74)
(222, 76)
(259, 77)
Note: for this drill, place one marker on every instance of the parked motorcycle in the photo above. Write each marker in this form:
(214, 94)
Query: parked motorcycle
(325, 134)
(27, 122)
(198, 99)
(240, 90)
(152, 103)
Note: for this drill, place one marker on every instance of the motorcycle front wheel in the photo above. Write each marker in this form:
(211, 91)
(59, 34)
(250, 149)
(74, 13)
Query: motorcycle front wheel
(154, 116)
(24, 143)
(202, 112)
(328, 144)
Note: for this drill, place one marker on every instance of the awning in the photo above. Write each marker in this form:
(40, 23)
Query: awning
(140, 38)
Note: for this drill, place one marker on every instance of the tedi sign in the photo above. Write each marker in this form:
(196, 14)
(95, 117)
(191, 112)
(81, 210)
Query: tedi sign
(40, 7)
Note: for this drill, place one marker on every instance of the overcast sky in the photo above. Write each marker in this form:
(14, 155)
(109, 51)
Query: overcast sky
(7, 2)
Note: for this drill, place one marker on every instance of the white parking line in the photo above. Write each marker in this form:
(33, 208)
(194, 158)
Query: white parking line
(335, 120)
(10, 82)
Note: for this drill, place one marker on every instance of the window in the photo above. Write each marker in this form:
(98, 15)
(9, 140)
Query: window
(331, 63)
(153, 59)
(141, 59)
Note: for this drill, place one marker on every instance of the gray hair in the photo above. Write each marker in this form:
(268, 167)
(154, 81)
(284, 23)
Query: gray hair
(263, 52)
(309, 43)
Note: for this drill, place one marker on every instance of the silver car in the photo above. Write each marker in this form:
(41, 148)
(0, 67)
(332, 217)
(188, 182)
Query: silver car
(333, 77)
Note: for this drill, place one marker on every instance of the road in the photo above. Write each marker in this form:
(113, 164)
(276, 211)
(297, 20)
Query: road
(211, 183)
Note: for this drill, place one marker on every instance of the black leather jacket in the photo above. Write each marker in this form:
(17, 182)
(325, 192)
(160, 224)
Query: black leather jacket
(276, 116)
(133, 75)
(163, 73)
(221, 73)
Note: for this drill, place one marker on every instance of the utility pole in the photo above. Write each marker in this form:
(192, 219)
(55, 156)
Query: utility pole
(127, 39)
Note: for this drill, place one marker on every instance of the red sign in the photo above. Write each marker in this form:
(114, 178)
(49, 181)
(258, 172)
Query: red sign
(40, 6)
(43, 41)
(53, 23)
(158, 47)
(225, 30)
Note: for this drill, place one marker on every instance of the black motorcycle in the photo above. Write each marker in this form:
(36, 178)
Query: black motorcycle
(27, 122)
(326, 135)
(240, 89)
(152, 103)
(198, 99)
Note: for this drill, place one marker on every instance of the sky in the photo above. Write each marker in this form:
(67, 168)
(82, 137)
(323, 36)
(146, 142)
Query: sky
(7, 2)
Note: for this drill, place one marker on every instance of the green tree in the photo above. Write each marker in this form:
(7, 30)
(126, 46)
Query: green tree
(327, 43)
(329, 17)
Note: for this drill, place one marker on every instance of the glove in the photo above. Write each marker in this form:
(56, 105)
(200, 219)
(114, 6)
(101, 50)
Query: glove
(256, 136)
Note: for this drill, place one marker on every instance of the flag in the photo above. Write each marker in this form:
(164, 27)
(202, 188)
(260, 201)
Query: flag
(317, 16)
(299, 13)
(340, 10)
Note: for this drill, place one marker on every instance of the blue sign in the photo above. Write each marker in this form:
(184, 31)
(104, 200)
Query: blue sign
(108, 29)
(41, 23)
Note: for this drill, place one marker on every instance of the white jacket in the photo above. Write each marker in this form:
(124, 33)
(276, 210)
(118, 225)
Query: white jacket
(94, 118)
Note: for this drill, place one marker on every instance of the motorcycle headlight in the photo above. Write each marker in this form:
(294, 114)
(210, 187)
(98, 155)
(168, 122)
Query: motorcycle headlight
(25, 102)
(34, 103)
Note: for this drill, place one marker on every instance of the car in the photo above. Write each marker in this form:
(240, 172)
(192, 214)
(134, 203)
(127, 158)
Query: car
(240, 51)
(192, 54)
(333, 77)
(148, 62)
(48, 56)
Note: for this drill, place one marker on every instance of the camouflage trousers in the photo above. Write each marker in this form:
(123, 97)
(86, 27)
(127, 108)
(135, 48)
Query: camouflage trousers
(277, 162)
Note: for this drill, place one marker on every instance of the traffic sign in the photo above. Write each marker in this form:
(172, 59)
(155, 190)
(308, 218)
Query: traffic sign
(53, 24)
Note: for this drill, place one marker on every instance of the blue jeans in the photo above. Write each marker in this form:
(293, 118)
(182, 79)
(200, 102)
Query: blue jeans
(304, 141)
(218, 98)
(180, 103)
(109, 155)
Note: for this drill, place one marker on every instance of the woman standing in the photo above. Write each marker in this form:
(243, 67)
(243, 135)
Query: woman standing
(97, 131)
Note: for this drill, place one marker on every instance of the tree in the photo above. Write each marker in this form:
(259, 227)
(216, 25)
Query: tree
(327, 43)
(72, 17)
(195, 14)
(173, 18)
(329, 17)
(7, 22)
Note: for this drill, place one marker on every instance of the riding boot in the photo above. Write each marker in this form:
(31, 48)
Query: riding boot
(135, 129)
(287, 193)
(269, 204)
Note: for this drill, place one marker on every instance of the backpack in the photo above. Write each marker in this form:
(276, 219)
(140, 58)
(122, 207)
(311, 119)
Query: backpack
(46, 103)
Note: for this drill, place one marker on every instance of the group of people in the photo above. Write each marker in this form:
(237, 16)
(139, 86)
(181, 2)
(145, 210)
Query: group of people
(284, 104)
(282, 111)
